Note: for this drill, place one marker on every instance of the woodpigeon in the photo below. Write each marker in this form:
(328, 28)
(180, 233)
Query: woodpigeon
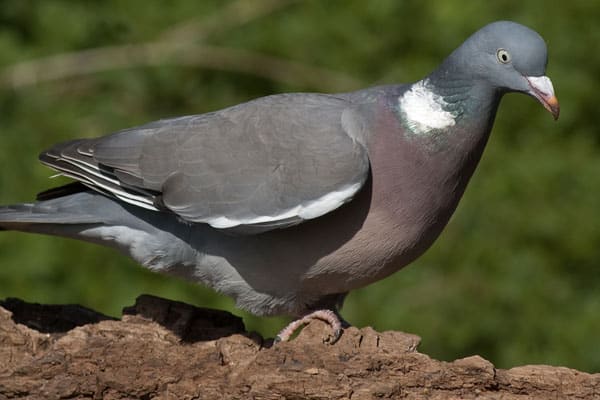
(288, 202)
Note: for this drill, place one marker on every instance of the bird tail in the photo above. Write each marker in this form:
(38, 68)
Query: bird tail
(61, 216)
(93, 217)
(83, 215)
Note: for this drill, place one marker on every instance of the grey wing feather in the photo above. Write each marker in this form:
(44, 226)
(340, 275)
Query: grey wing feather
(269, 163)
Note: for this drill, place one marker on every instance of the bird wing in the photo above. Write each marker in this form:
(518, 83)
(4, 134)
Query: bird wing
(265, 164)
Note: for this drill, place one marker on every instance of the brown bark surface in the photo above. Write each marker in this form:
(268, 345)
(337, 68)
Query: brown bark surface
(162, 349)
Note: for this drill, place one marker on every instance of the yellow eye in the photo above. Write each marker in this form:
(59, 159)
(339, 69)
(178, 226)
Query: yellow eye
(503, 56)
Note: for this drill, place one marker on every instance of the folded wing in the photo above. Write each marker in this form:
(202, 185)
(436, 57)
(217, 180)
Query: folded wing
(269, 163)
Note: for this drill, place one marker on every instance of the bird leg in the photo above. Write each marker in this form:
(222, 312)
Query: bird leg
(331, 317)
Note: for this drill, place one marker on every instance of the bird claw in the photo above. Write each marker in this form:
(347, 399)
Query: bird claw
(328, 316)
(337, 334)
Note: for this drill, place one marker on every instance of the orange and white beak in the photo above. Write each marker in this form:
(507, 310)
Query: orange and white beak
(541, 88)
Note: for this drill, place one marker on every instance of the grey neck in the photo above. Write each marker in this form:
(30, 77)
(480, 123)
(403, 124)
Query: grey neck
(474, 102)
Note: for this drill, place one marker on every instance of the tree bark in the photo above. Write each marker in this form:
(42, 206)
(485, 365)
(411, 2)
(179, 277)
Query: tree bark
(162, 349)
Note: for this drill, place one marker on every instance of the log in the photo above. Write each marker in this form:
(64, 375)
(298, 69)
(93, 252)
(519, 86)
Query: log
(162, 349)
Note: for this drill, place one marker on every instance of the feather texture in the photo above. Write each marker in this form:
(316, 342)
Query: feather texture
(268, 163)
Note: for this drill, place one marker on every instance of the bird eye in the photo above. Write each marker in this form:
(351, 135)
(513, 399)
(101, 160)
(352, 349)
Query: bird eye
(503, 56)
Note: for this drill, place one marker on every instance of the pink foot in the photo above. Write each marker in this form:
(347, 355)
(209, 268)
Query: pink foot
(324, 315)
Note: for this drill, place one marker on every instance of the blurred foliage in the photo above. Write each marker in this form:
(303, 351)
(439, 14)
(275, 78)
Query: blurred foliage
(515, 276)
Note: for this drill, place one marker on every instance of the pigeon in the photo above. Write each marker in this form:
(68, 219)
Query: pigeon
(288, 202)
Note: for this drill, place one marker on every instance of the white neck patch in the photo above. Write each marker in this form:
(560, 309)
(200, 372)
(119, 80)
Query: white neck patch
(423, 109)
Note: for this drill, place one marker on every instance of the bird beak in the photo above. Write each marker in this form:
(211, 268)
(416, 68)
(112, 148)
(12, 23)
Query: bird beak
(541, 88)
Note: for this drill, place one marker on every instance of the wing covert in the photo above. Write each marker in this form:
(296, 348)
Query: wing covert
(269, 163)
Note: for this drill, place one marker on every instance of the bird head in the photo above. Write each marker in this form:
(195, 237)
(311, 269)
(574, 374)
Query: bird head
(510, 58)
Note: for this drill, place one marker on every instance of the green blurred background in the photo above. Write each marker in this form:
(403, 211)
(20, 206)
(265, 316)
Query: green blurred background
(514, 277)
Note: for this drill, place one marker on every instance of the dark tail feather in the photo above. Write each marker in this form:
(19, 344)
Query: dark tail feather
(49, 215)
(143, 234)
(53, 206)
(61, 191)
